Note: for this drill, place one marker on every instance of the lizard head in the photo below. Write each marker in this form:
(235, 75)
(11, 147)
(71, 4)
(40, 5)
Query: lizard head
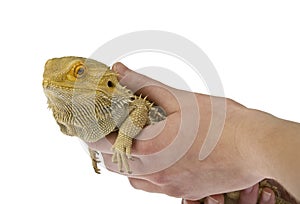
(73, 85)
(71, 73)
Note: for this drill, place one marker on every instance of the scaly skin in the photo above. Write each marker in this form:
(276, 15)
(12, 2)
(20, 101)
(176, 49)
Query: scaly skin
(88, 102)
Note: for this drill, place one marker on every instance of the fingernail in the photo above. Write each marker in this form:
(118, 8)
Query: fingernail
(266, 196)
(211, 200)
(248, 190)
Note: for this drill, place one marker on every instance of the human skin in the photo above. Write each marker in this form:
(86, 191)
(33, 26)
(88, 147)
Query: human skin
(253, 145)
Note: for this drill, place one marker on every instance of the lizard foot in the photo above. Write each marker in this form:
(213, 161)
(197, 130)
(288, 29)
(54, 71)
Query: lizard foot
(122, 152)
(121, 159)
(94, 156)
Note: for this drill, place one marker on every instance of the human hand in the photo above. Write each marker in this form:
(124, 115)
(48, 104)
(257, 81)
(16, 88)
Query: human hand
(237, 161)
(224, 170)
(247, 196)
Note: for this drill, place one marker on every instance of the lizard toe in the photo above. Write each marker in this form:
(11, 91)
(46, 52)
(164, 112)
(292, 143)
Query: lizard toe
(121, 158)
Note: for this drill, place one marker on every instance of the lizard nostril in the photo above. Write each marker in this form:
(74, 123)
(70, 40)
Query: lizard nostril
(45, 83)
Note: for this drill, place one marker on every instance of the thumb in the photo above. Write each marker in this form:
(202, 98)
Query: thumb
(156, 91)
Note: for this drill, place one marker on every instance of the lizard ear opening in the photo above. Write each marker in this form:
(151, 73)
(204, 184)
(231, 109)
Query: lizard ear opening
(110, 84)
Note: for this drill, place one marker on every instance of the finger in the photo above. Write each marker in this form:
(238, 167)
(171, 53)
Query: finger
(150, 140)
(214, 199)
(160, 93)
(267, 197)
(144, 185)
(104, 145)
(153, 138)
(249, 195)
(109, 165)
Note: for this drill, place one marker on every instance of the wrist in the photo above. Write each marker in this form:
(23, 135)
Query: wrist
(255, 141)
(271, 147)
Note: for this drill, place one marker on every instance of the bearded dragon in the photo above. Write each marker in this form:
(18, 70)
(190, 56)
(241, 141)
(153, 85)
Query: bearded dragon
(88, 102)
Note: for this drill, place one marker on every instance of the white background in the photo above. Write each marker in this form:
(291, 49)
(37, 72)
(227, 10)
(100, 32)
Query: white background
(254, 45)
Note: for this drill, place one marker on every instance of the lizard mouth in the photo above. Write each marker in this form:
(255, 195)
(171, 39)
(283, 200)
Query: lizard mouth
(47, 84)
(50, 85)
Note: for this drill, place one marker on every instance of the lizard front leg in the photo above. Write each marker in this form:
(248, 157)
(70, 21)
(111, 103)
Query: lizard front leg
(129, 129)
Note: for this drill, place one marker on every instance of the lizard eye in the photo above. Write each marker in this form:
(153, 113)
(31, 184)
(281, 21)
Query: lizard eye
(79, 70)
